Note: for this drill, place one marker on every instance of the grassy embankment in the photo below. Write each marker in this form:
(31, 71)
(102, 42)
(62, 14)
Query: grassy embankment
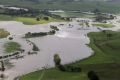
(105, 61)
(105, 25)
(28, 20)
(11, 47)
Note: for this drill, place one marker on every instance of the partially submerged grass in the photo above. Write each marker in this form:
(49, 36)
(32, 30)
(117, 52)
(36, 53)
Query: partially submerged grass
(5, 17)
(3, 33)
(11, 47)
(105, 25)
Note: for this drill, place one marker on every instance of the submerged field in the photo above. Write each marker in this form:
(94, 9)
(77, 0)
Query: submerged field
(105, 61)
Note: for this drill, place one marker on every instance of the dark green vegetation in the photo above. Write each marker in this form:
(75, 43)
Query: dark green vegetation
(35, 48)
(40, 34)
(30, 35)
(54, 28)
(83, 5)
(3, 33)
(105, 62)
(102, 17)
(11, 47)
(57, 60)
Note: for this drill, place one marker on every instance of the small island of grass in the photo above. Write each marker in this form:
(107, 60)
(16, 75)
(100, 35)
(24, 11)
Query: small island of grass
(3, 33)
(11, 47)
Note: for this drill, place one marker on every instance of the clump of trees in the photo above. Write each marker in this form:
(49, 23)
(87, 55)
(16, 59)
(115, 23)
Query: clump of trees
(30, 35)
(57, 61)
(102, 17)
(2, 66)
(37, 19)
(30, 53)
(52, 32)
(44, 18)
(73, 69)
(92, 75)
(35, 48)
(54, 28)
(10, 38)
(2, 69)
(39, 34)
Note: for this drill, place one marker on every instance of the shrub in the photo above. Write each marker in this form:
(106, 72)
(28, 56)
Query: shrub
(73, 69)
(46, 18)
(61, 67)
(37, 19)
(10, 38)
(52, 32)
(35, 48)
(57, 60)
(93, 76)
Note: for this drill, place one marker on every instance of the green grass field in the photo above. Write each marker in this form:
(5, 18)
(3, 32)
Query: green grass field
(105, 25)
(74, 14)
(34, 21)
(11, 47)
(105, 72)
(105, 61)
(28, 20)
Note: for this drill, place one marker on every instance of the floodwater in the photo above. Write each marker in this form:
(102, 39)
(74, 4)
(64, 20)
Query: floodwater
(69, 43)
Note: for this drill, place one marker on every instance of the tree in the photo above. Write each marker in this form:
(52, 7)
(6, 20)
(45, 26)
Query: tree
(57, 60)
(93, 76)
(46, 18)
(35, 48)
(38, 19)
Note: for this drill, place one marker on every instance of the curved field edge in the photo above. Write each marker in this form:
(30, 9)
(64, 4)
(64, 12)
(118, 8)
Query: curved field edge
(106, 66)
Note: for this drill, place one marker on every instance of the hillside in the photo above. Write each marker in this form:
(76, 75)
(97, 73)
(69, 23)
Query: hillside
(82, 5)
